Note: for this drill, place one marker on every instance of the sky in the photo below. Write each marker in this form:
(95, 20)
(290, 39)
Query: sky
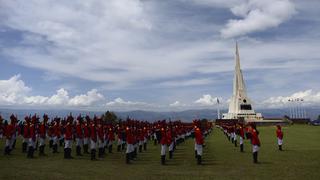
(158, 55)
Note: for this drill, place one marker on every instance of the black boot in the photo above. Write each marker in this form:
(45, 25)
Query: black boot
(69, 153)
(41, 150)
(85, 149)
(241, 147)
(195, 154)
(155, 142)
(7, 151)
(235, 143)
(123, 146)
(163, 159)
(65, 153)
(127, 158)
(118, 148)
(110, 148)
(61, 142)
(131, 155)
(55, 148)
(100, 153)
(280, 147)
(79, 151)
(170, 154)
(51, 143)
(24, 147)
(144, 146)
(14, 144)
(37, 145)
(140, 148)
(199, 160)
(30, 152)
(232, 140)
(135, 153)
(93, 154)
(255, 157)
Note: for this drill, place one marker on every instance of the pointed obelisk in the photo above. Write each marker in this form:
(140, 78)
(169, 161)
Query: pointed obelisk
(240, 106)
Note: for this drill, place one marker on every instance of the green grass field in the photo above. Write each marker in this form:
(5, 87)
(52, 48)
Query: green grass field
(299, 160)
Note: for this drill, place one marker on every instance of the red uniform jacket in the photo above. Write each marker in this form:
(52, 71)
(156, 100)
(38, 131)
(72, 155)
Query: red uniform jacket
(68, 133)
(8, 131)
(164, 139)
(32, 131)
(79, 132)
(110, 135)
(169, 137)
(86, 131)
(42, 130)
(279, 134)
(254, 138)
(130, 138)
(241, 132)
(100, 133)
(93, 132)
(56, 130)
(199, 137)
(26, 131)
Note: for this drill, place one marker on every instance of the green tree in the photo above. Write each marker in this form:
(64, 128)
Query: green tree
(110, 117)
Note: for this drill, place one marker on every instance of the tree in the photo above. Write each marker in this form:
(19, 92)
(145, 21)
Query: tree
(110, 118)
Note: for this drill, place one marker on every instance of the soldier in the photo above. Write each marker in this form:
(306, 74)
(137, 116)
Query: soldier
(199, 141)
(8, 133)
(280, 137)
(163, 143)
(254, 136)
(26, 137)
(130, 148)
(86, 133)
(101, 140)
(79, 135)
(241, 137)
(119, 134)
(93, 140)
(32, 137)
(170, 142)
(111, 138)
(56, 134)
(68, 138)
(42, 134)
(234, 135)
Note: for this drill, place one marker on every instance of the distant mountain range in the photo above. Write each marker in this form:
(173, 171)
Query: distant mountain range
(187, 115)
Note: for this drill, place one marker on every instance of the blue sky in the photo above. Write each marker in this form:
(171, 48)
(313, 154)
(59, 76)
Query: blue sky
(156, 55)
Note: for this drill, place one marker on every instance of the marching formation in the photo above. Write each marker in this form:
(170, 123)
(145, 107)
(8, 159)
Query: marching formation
(91, 134)
(233, 130)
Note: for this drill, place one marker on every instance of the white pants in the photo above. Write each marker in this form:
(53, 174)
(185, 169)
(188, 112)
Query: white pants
(130, 148)
(55, 140)
(93, 144)
(32, 143)
(163, 150)
(255, 148)
(119, 142)
(101, 143)
(79, 141)
(8, 143)
(86, 141)
(171, 147)
(234, 136)
(241, 140)
(110, 143)
(199, 149)
(42, 141)
(67, 143)
(280, 141)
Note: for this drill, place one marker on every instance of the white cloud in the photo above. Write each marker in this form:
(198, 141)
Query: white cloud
(14, 92)
(206, 100)
(257, 15)
(177, 104)
(309, 97)
(120, 102)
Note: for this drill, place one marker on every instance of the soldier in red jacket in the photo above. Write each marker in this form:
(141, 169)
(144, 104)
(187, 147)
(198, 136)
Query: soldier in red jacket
(25, 140)
(163, 143)
(42, 134)
(241, 137)
(32, 137)
(120, 138)
(170, 142)
(254, 136)
(279, 136)
(199, 141)
(130, 141)
(101, 140)
(111, 138)
(93, 140)
(8, 133)
(79, 135)
(86, 133)
(56, 134)
(68, 138)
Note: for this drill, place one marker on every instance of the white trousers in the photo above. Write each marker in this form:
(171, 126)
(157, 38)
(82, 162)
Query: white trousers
(280, 141)
(130, 148)
(255, 148)
(67, 143)
(199, 149)
(32, 143)
(42, 141)
(241, 140)
(163, 150)
(92, 144)
(78, 141)
(85, 141)
(171, 147)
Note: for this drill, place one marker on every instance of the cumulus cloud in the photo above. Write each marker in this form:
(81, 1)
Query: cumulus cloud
(120, 102)
(308, 97)
(256, 15)
(206, 100)
(177, 104)
(14, 92)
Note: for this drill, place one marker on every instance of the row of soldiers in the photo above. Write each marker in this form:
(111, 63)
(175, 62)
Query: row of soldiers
(95, 134)
(249, 131)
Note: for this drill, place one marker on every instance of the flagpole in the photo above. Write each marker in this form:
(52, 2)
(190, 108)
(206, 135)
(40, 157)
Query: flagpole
(218, 108)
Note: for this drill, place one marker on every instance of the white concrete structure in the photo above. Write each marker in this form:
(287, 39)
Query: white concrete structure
(240, 106)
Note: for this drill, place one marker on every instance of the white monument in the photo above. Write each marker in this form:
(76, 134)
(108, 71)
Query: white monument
(240, 106)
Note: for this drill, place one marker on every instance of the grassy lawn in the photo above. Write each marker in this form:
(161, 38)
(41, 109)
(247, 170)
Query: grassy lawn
(299, 160)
